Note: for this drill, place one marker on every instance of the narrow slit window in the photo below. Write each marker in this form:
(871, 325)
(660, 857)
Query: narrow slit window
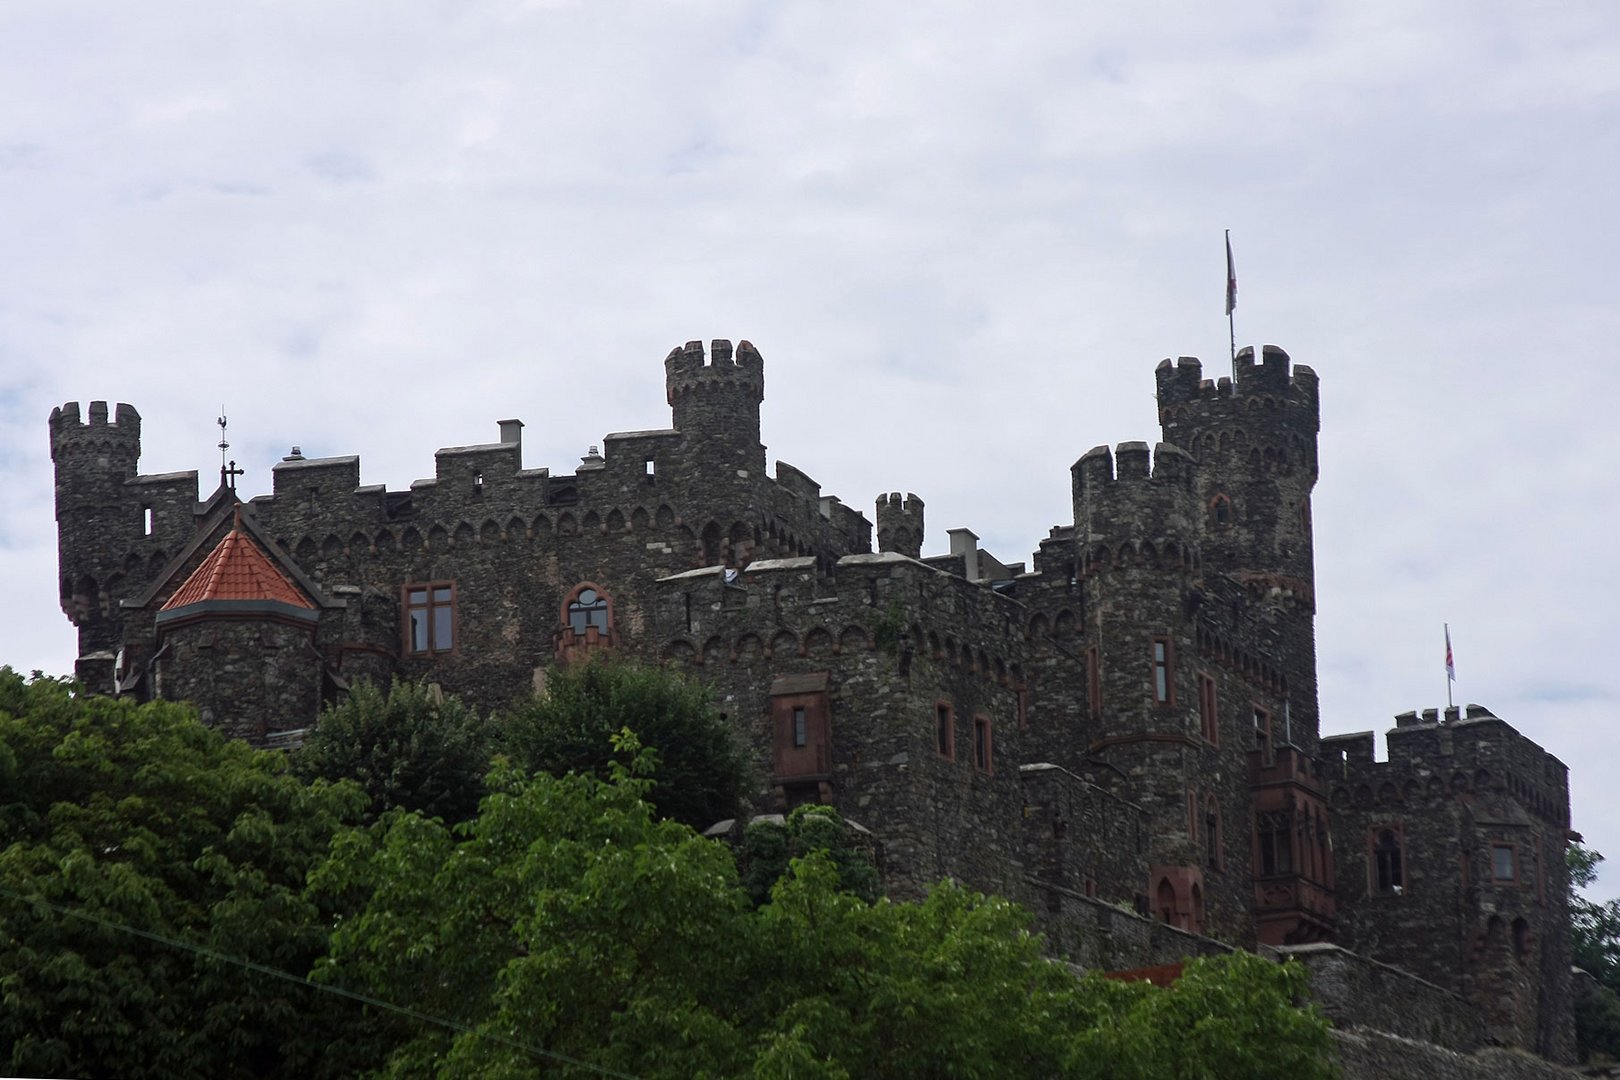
(944, 731)
(1161, 670)
(801, 731)
(1388, 863)
(981, 743)
(148, 521)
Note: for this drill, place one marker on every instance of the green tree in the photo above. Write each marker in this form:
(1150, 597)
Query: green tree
(1595, 934)
(569, 924)
(769, 847)
(411, 747)
(116, 815)
(702, 773)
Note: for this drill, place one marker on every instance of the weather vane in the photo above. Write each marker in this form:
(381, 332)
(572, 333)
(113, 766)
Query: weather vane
(227, 476)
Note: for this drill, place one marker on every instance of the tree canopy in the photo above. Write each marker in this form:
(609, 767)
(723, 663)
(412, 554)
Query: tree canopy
(702, 774)
(114, 814)
(1595, 930)
(569, 928)
(410, 747)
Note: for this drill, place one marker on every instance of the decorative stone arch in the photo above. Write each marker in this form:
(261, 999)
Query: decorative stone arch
(490, 531)
(386, 541)
(464, 535)
(1064, 626)
(817, 641)
(784, 643)
(306, 550)
(750, 649)
(1147, 554)
(639, 518)
(713, 544)
(678, 651)
(853, 639)
(541, 526)
(592, 522)
(665, 516)
(567, 524)
(331, 547)
(714, 649)
(515, 529)
(615, 521)
(438, 537)
(411, 540)
(1039, 627)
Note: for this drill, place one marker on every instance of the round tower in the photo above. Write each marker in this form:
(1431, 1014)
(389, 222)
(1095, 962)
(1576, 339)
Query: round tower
(900, 524)
(1254, 438)
(717, 402)
(97, 521)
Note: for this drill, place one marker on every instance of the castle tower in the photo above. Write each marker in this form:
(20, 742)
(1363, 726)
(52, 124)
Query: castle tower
(1254, 439)
(98, 523)
(900, 524)
(716, 406)
(1136, 535)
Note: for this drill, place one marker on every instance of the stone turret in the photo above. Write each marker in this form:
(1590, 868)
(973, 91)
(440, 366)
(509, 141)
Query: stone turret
(900, 524)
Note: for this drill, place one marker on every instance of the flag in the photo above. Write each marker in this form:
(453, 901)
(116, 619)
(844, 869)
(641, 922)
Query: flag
(1451, 667)
(1231, 276)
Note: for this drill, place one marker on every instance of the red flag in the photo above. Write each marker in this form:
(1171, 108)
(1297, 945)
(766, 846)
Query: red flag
(1231, 276)
(1451, 667)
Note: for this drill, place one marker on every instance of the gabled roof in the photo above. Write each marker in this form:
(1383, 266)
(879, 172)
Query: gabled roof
(237, 570)
(223, 517)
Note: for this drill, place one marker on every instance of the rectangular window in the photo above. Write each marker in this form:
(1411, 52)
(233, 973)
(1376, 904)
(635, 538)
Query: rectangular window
(981, 744)
(1262, 728)
(429, 617)
(1388, 861)
(1504, 862)
(1094, 681)
(801, 733)
(147, 521)
(1208, 709)
(1276, 843)
(1161, 671)
(944, 731)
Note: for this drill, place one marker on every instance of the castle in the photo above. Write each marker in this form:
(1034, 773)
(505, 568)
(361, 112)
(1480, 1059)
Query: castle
(1122, 734)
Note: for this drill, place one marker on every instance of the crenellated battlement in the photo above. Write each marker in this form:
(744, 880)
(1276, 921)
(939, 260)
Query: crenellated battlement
(69, 434)
(1182, 382)
(686, 369)
(1452, 751)
(1126, 496)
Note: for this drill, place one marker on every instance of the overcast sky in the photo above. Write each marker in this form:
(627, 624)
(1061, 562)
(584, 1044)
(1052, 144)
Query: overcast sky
(962, 235)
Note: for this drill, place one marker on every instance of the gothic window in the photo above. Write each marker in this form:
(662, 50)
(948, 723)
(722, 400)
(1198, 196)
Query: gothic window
(1163, 688)
(588, 608)
(430, 617)
(982, 759)
(1389, 877)
(1208, 709)
(1504, 863)
(1220, 511)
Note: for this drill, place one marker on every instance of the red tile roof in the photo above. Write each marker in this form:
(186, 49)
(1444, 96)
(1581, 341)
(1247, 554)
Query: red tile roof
(237, 570)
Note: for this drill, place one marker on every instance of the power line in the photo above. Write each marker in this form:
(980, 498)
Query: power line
(262, 969)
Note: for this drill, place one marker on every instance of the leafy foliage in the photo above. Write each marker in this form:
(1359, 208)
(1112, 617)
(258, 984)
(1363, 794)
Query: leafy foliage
(768, 848)
(701, 774)
(568, 919)
(410, 748)
(1595, 931)
(139, 815)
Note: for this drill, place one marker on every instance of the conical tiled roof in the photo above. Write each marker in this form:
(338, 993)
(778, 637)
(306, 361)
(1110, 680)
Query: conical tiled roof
(237, 570)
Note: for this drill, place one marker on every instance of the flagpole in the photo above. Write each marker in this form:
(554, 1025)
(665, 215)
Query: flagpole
(1231, 303)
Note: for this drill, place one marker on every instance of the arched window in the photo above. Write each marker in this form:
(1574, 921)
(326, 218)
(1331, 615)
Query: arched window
(1220, 511)
(587, 622)
(588, 608)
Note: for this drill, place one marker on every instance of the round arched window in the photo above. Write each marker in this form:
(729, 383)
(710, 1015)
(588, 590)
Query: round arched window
(589, 608)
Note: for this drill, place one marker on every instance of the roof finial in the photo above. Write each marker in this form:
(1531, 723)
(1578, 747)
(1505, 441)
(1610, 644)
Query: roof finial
(227, 476)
